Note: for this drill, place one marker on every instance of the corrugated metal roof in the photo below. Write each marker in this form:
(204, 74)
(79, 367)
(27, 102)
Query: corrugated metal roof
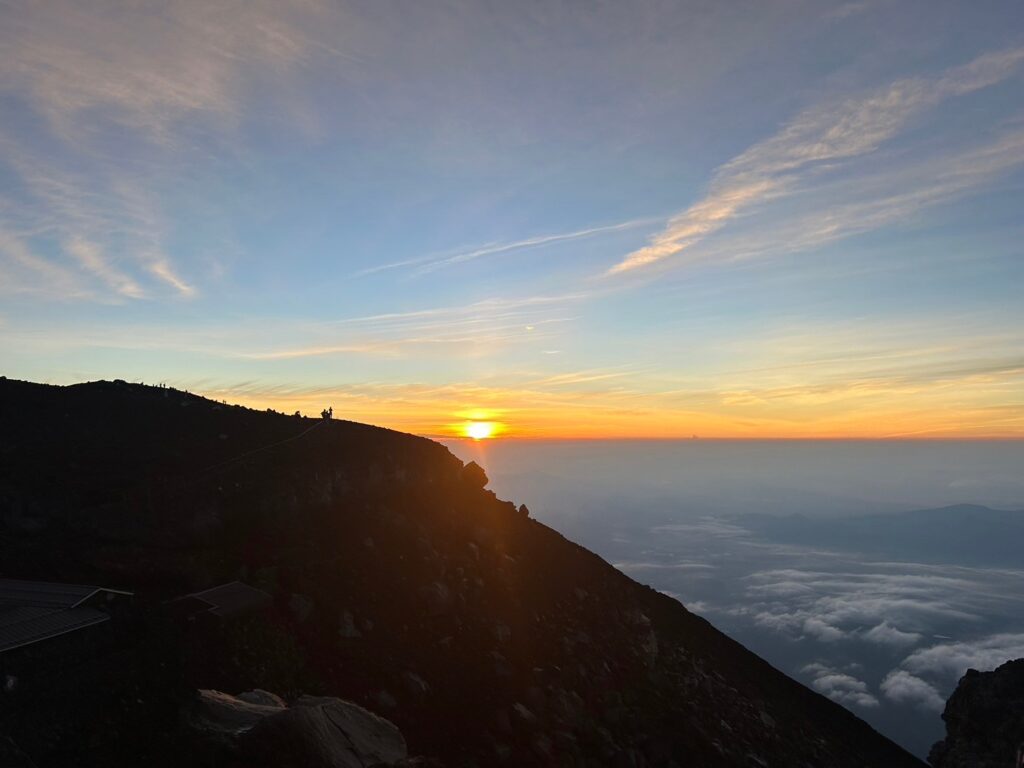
(16, 592)
(232, 599)
(48, 594)
(31, 611)
(27, 624)
(10, 616)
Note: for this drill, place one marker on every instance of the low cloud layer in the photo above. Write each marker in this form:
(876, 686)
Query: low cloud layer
(951, 659)
(887, 634)
(884, 606)
(904, 688)
(840, 686)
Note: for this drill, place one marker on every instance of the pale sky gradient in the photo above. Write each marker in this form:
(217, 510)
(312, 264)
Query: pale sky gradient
(578, 219)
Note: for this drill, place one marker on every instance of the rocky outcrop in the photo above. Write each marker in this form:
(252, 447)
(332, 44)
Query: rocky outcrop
(984, 720)
(314, 732)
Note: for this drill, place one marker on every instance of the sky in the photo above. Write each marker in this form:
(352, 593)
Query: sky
(572, 219)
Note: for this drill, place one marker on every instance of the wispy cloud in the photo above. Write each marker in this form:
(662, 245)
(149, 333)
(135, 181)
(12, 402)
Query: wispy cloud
(427, 264)
(27, 272)
(484, 308)
(815, 141)
(477, 329)
(162, 268)
(889, 634)
(147, 70)
(828, 210)
(107, 103)
(575, 378)
(89, 256)
(100, 233)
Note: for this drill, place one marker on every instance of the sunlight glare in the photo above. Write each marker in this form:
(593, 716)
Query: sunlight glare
(479, 430)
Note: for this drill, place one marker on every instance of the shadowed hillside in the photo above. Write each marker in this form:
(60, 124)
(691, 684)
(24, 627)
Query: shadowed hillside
(397, 582)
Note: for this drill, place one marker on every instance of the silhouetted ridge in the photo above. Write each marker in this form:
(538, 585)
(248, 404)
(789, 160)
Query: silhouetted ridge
(397, 582)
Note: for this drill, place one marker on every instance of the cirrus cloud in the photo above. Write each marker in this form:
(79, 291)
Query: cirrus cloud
(817, 140)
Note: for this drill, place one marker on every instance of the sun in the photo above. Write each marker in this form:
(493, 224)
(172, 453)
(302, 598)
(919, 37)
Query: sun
(479, 430)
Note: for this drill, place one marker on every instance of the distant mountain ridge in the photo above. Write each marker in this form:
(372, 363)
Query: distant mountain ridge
(398, 582)
(965, 534)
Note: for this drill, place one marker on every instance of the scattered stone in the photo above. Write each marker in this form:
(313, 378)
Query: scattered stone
(501, 632)
(300, 606)
(437, 599)
(385, 700)
(416, 684)
(347, 626)
(523, 714)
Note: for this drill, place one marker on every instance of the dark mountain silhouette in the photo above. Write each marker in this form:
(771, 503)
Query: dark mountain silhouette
(397, 582)
(984, 720)
(966, 534)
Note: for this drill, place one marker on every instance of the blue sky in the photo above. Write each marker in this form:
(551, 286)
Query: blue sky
(575, 219)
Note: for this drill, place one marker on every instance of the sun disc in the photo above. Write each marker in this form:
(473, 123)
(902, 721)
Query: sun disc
(479, 430)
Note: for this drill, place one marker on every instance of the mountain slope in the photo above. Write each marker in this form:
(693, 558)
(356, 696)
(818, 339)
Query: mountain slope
(399, 582)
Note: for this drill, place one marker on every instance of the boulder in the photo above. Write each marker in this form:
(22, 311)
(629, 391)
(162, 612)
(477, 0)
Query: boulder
(265, 698)
(324, 732)
(222, 714)
(474, 476)
(314, 732)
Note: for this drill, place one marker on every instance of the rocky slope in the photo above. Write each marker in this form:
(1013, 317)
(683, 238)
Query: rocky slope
(984, 720)
(399, 583)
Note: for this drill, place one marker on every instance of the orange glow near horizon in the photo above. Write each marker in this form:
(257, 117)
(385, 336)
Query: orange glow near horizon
(790, 413)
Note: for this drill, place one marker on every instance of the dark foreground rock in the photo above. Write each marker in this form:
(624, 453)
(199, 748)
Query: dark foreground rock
(259, 729)
(396, 582)
(984, 720)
